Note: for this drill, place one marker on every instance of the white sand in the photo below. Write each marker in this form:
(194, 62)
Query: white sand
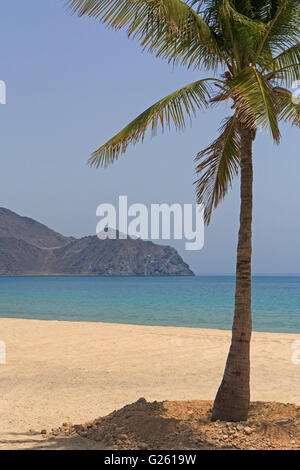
(67, 371)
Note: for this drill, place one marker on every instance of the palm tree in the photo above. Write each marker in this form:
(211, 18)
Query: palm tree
(252, 49)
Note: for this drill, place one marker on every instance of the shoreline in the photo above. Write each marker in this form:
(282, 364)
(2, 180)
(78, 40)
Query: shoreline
(191, 302)
(63, 371)
(145, 325)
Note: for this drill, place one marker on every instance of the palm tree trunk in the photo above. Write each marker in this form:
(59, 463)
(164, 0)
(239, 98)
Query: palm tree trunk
(233, 397)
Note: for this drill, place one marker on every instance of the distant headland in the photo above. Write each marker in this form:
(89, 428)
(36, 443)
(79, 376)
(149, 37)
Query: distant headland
(30, 248)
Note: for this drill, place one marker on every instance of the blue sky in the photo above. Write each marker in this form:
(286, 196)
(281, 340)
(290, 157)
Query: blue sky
(72, 84)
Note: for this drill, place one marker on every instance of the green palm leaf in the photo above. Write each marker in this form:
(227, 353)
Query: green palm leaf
(283, 28)
(288, 110)
(219, 164)
(286, 65)
(171, 109)
(170, 28)
(255, 101)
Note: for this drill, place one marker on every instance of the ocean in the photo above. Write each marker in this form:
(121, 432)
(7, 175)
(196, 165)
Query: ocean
(201, 301)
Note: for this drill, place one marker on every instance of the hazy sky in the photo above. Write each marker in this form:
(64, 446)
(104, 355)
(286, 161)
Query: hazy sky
(72, 84)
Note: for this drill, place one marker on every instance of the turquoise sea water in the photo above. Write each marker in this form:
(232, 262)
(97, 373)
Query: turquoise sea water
(202, 301)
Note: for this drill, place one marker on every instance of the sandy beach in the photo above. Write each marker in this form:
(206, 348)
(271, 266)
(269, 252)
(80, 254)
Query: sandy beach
(66, 371)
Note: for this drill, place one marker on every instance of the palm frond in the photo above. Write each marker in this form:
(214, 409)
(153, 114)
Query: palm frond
(169, 28)
(171, 109)
(289, 111)
(241, 17)
(286, 65)
(283, 27)
(255, 101)
(239, 26)
(240, 31)
(219, 164)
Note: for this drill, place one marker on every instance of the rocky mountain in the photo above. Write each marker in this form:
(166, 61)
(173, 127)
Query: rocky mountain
(23, 228)
(30, 248)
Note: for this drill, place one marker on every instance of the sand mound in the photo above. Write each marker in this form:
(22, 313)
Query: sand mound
(186, 425)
